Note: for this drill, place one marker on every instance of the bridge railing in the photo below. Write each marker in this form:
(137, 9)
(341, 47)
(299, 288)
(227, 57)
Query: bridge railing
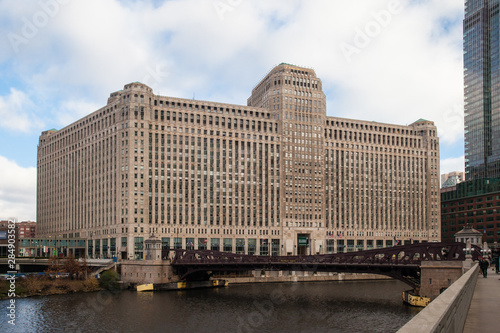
(412, 254)
(448, 312)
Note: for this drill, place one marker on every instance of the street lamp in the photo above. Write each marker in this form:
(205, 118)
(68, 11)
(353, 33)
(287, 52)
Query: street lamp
(485, 253)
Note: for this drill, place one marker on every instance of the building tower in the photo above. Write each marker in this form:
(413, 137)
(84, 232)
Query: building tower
(295, 96)
(475, 198)
(482, 88)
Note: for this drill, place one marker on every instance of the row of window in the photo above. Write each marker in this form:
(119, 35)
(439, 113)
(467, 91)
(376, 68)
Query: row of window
(471, 201)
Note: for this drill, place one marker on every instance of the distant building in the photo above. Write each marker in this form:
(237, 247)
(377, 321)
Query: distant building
(274, 177)
(452, 178)
(5, 240)
(475, 203)
(468, 233)
(27, 229)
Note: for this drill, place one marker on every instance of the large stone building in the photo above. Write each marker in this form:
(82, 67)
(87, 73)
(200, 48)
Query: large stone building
(275, 177)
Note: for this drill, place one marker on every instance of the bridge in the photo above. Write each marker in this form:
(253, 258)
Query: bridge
(28, 264)
(399, 262)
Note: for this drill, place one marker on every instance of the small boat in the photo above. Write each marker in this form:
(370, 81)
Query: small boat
(409, 297)
(145, 287)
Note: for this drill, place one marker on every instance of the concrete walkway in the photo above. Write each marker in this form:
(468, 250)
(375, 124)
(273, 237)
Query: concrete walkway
(485, 305)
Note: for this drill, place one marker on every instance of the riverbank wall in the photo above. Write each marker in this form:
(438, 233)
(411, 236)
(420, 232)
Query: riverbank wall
(447, 313)
(158, 272)
(296, 276)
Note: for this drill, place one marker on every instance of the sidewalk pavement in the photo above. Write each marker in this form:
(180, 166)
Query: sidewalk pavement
(485, 305)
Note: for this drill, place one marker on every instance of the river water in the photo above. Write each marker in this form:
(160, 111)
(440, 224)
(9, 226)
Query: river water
(348, 306)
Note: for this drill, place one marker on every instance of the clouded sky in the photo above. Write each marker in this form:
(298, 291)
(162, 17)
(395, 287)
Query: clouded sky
(391, 61)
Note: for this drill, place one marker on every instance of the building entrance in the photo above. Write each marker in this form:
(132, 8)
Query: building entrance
(303, 244)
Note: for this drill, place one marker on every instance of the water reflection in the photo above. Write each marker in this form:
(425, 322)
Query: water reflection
(361, 306)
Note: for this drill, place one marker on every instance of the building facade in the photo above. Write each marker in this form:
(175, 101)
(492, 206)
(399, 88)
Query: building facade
(7, 238)
(27, 229)
(274, 177)
(482, 88)
(473, 203)
(452, 178)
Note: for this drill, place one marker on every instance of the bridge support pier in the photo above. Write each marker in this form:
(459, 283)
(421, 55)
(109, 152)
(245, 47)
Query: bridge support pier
(436, 276)
(147, 271)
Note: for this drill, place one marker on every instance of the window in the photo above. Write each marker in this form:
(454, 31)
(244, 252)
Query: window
(252, 246)
(228, 244)
(138, 248)
(215, 244)
(240, 245)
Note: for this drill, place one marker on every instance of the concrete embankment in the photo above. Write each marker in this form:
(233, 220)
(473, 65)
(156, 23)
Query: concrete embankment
(284, 276)
(182, 285)
(268, 277)
(447, 313)
(134, 272)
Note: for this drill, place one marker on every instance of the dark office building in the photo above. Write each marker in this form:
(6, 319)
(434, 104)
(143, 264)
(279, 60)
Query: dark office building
(475, 202)
(482, 88)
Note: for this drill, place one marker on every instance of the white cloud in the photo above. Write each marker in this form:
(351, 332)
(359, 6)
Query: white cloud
(70, 111)
(452, 164)
(17, 112)
(17, 191)
(410, 69)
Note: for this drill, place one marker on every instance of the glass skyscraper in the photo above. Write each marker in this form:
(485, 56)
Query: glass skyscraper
(482, 89)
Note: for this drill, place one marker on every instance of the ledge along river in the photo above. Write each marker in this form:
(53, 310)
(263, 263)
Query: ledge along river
(345, 306)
